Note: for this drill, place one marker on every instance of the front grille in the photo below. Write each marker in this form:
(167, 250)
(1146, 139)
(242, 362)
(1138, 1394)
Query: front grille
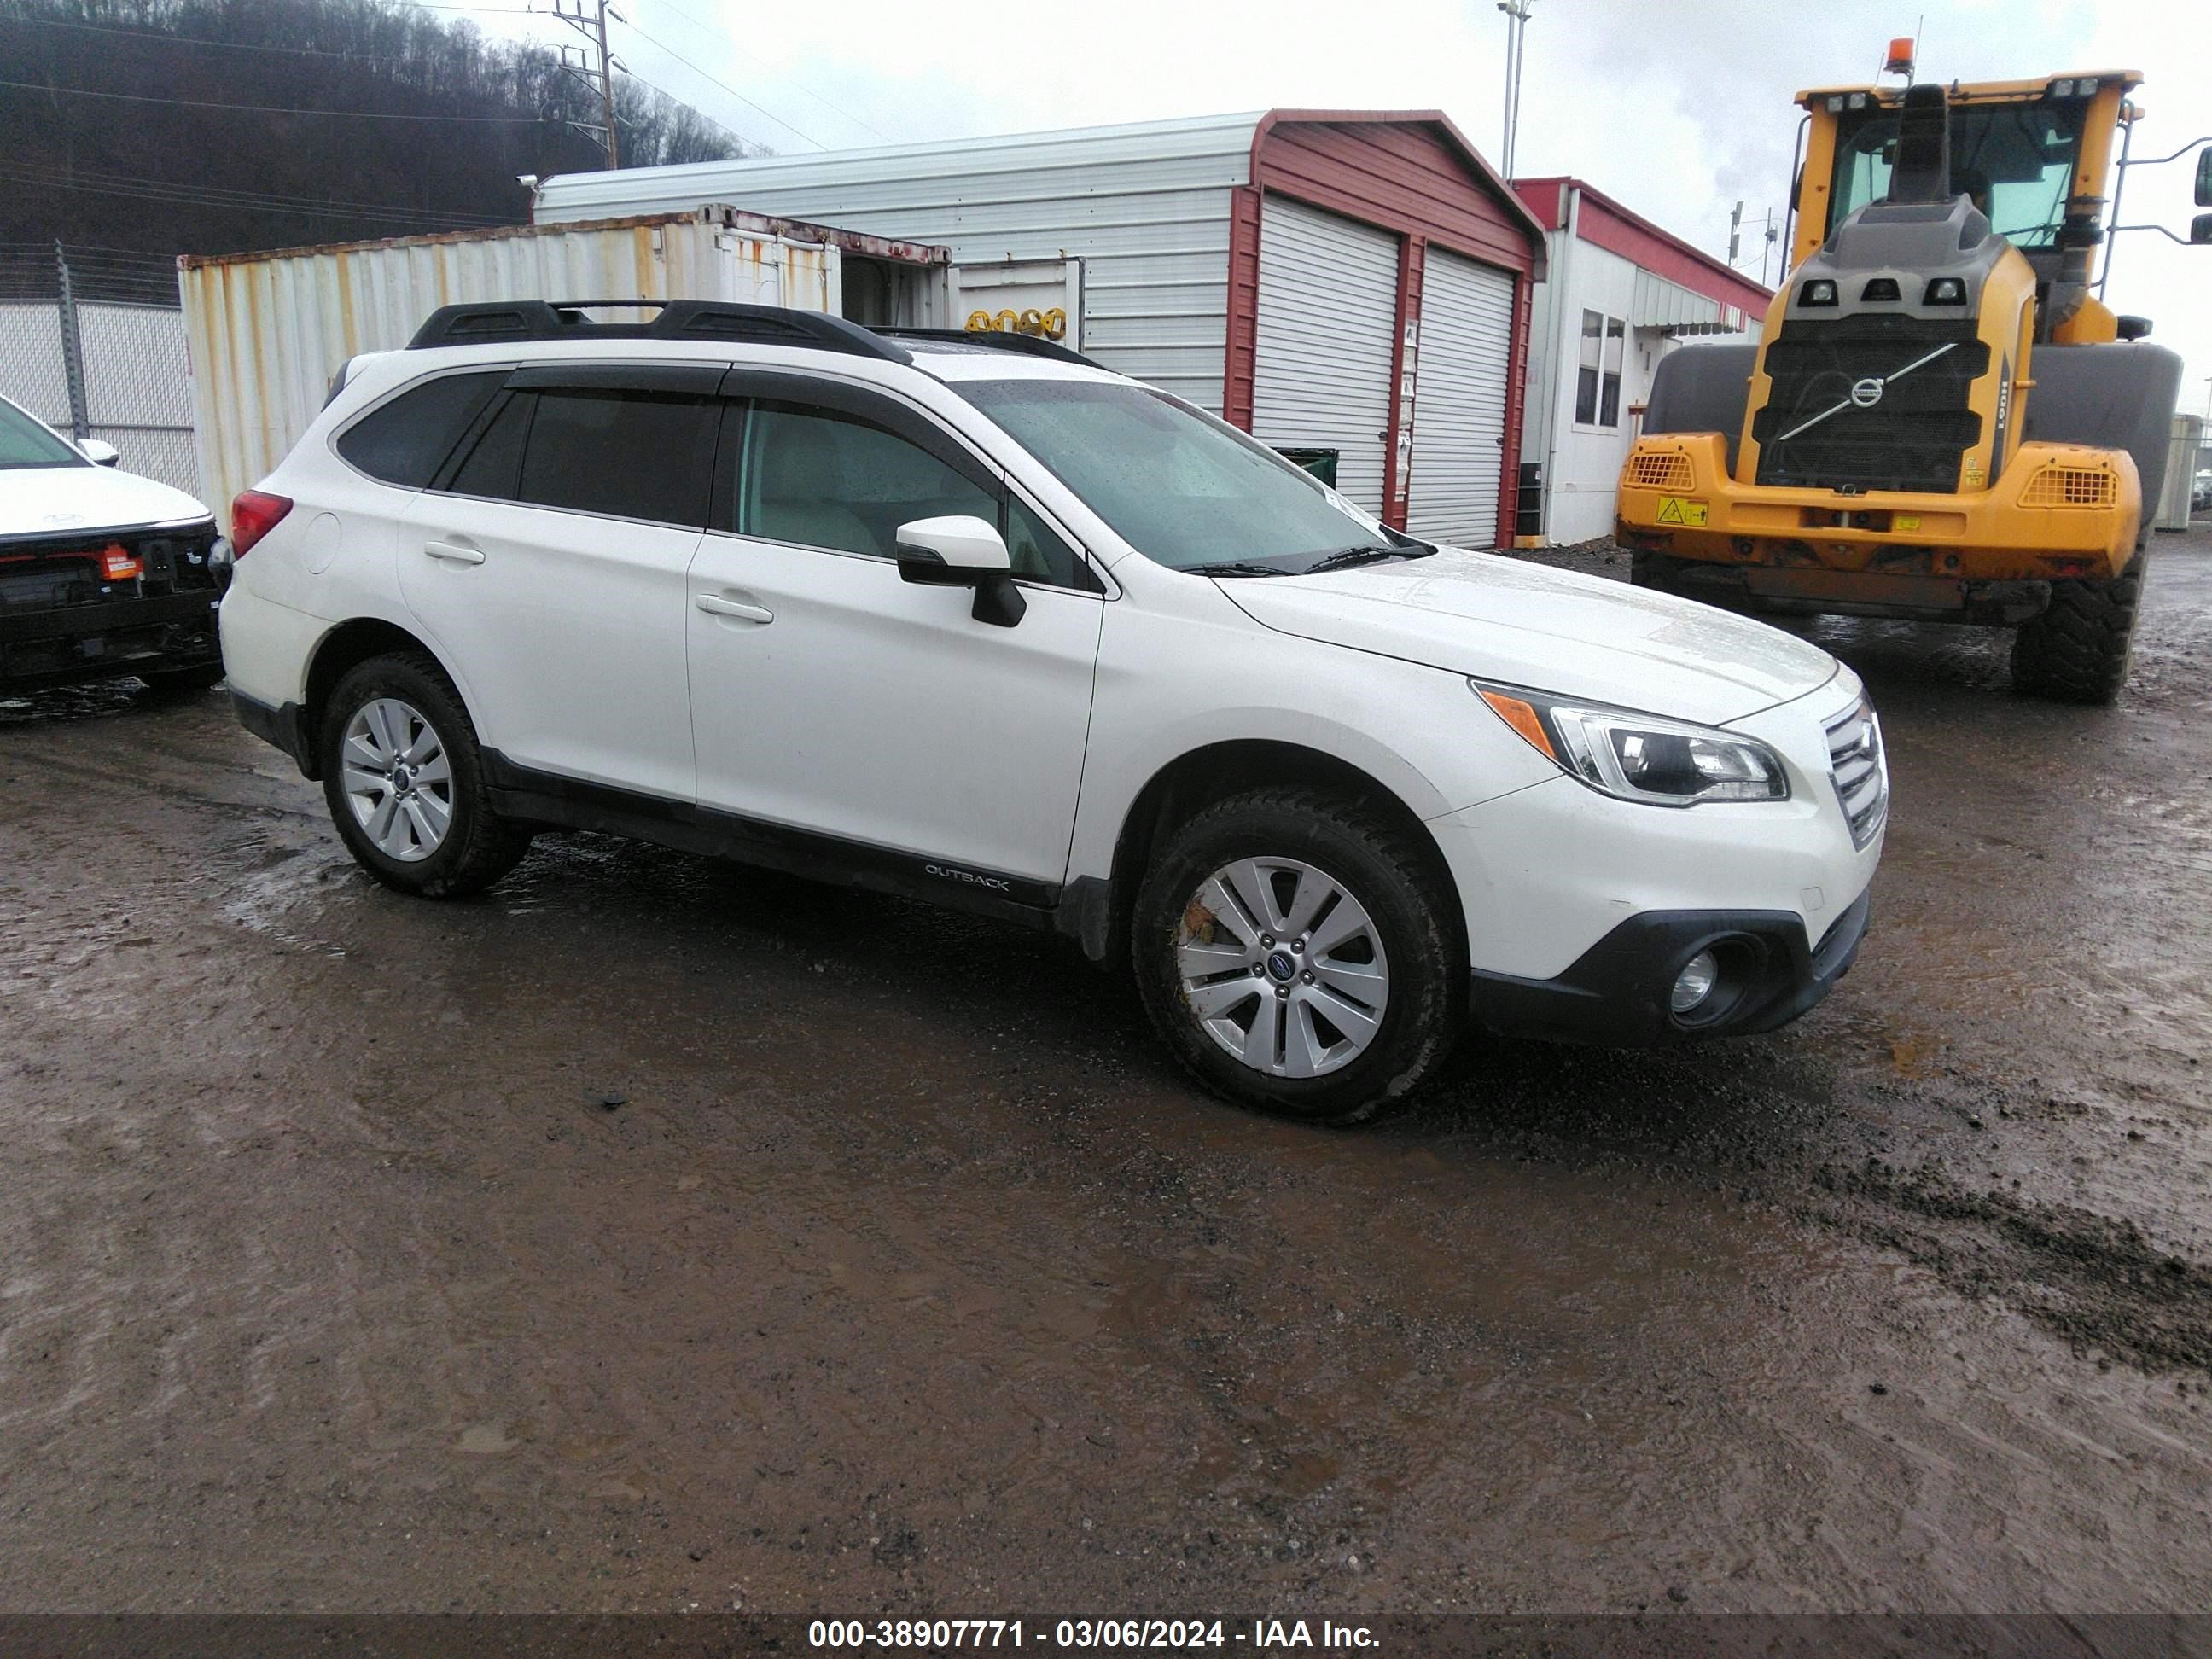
(52, 575)
(1860, 770)
(1661, 471)
(1877, 428)
(2071, 486)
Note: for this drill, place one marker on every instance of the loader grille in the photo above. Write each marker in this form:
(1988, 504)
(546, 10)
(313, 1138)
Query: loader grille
(1860, 770)
(1870, 403)
(1669, 470)
(2071, 486)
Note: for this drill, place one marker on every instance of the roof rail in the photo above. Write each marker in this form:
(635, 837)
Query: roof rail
(1028, 344)
(501, 321)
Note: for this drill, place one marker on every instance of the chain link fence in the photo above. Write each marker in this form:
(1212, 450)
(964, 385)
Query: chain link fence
(92, 342)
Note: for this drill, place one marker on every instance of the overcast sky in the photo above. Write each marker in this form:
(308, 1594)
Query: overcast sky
(1677, 107)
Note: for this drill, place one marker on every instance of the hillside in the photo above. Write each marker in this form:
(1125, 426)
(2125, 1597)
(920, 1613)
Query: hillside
(438, 119)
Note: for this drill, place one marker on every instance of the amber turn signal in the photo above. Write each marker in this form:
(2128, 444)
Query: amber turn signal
(1524, 719)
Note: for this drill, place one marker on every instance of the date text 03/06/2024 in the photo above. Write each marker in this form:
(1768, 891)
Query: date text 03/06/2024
(1257, 1635)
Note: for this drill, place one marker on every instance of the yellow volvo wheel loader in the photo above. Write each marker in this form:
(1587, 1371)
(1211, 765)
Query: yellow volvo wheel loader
(1941, 420)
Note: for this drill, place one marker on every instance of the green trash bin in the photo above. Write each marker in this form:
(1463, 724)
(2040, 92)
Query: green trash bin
(1322, 462)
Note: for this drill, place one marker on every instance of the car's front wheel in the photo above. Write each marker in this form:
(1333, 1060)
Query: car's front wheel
(404, 776)
(1296, 952)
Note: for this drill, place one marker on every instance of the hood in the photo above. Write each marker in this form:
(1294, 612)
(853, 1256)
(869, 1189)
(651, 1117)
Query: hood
(54, 501)
(1551, 630)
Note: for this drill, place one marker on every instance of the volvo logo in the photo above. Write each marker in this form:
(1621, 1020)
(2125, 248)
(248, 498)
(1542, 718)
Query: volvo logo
(1867, 392)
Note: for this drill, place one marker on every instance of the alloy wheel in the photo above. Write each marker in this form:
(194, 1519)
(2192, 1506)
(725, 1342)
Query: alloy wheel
(398, 778)
(1282, 966)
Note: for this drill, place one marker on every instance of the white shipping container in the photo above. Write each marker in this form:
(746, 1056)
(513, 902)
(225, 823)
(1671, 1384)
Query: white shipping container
(266, 332)
(2173, 506)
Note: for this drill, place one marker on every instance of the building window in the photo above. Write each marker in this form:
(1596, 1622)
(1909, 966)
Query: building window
(1597, 380)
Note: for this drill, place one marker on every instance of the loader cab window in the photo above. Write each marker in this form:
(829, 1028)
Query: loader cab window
(2016, 159)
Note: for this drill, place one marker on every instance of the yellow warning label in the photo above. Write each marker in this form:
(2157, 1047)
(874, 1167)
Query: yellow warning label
(1905, 521)
(1673, 509)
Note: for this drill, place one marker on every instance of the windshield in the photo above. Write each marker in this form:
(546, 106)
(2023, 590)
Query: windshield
(1183, 488)
(28, 442)
(2015, 159)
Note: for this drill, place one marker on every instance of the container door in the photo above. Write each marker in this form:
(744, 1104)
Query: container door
(1327, 309)
(1040, 297)
(1458, 401)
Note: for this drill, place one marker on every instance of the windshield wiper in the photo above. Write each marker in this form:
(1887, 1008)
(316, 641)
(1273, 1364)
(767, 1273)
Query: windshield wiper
(1344, 557)
(1235, 568)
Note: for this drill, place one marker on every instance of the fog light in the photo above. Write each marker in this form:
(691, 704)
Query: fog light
(1694, 983)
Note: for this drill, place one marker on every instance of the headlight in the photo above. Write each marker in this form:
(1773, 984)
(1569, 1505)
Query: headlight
(1641, 757)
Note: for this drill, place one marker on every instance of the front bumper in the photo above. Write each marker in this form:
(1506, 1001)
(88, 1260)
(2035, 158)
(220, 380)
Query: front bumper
(112, 637)
(1888, 551)
(1616, 992)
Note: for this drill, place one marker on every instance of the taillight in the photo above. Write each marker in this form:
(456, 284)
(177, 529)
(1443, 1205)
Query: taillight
(254, 514)
(117, 564)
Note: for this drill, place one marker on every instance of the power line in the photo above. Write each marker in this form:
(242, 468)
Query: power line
(154, 190)
(274, 109)
(201, 40)
(726, 39)
(725, 85)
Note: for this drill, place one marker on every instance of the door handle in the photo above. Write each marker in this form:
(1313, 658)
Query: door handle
(716, 604)
(454, 552)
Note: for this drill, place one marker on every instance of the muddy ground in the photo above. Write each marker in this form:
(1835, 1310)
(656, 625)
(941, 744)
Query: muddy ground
(906, 1274)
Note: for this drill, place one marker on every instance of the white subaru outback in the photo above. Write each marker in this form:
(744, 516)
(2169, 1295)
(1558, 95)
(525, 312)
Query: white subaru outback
(972, 619)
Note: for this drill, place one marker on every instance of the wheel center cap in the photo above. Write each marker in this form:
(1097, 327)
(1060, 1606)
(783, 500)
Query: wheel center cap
(1281, 965)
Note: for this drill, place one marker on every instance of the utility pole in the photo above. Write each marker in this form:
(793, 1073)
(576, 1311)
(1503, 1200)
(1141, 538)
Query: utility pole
(72, 347)
(1516, 27)
(593, 68)
(1771, 232)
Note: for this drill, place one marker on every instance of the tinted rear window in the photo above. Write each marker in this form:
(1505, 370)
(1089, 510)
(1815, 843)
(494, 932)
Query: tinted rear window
(405, 441)
(495, 460)
(628, 455)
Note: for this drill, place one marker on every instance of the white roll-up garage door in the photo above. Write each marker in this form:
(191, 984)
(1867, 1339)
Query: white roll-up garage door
(1328, 308)
(1458, 401)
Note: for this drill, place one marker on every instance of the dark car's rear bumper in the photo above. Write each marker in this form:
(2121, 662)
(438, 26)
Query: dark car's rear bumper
(108, 638)
(1617, 992)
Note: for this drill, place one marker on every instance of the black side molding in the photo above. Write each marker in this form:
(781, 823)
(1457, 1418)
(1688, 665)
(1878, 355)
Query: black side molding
(545, 798)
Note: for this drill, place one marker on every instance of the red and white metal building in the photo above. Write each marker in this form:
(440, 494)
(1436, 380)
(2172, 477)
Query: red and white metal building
(1354, 280)
(1621, 294)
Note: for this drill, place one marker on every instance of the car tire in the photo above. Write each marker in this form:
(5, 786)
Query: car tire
(1302, 1044)
(403, 776)
(2079, 649)
(182, 681)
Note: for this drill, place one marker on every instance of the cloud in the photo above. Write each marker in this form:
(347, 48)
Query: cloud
(1679, 108)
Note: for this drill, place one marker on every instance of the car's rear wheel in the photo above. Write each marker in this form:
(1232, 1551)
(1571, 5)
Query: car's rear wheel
(404, 776)
(1295, 951)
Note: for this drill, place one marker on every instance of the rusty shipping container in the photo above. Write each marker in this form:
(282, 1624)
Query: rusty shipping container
(266, 332)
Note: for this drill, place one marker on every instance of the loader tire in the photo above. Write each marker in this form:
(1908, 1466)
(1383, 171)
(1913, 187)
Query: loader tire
(2077, 651)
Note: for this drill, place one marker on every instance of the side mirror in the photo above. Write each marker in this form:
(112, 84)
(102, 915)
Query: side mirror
(2132, 328)
(963, 552)
(2200, 228)
(99, 451)
(2204, 177)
